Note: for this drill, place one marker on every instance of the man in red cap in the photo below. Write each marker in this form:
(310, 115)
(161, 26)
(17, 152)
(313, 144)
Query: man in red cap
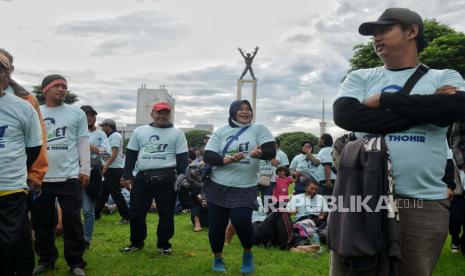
(161, 153)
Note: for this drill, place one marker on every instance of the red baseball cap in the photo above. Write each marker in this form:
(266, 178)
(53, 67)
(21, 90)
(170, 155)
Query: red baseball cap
(161, 105)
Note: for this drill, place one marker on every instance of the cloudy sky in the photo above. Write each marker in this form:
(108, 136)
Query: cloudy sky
(108, 48)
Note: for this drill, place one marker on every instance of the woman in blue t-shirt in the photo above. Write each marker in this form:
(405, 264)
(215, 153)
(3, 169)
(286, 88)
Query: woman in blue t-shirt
(234, 151)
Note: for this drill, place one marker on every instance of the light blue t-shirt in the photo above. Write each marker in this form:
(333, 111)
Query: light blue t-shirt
(325, 156)
(283, 161)
(99, 139)
(301, 164)
(303, 205)
(116, 141)
(243, 173)
(418, 154)
(19, 128)
(65, 124)
(157, 146)
(9, 90)
(266, 168)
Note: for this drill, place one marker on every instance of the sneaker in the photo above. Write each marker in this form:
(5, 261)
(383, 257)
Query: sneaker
(77, 271)
(41, 268)
(247, 263)
(218, 265)
(131, 248)
(167, 252)
(454, 248)
(123, 221)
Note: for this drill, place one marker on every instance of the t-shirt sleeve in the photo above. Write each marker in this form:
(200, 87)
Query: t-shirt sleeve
(181, 143)
(294, 163)
(263, 135)
(353, 86)
(82, 127)
(214, 142)
(31, 128)
(324, 205)
(115, 141)
(325, 156)
(291, 206)
(133, 143)
(283, 160)
(452, 77)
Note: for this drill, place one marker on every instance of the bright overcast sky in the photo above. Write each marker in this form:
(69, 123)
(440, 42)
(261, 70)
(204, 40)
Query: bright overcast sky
(108, 48)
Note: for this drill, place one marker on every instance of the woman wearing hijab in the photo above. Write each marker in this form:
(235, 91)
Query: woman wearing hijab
(234, 152)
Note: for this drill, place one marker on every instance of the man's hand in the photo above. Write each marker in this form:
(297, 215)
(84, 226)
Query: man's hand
(450, 194)
(104, 170)
(372, 101)
(328, 185)
(34, 185)
(275, 162)
(94, 149)
(127, 183)
(84, 179)
(446, 90)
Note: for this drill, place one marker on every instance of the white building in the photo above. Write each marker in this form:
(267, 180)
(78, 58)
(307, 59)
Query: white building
(145, 100)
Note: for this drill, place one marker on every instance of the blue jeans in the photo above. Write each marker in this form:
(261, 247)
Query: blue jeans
(88, 207)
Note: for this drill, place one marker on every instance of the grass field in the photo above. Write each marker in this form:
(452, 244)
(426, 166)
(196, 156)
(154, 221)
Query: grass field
(192, 255)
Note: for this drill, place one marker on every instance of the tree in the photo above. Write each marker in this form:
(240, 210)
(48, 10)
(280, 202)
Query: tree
(291, 142)
(37, 90)
(195, 138)
(445, 49)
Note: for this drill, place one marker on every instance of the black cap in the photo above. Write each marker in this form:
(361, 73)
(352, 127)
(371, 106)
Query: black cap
(392, 16)
(88, 108)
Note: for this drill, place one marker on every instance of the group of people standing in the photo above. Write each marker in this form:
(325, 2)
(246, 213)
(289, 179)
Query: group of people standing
(55, 153)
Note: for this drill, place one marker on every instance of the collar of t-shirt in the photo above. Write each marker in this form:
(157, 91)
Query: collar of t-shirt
(168, 125)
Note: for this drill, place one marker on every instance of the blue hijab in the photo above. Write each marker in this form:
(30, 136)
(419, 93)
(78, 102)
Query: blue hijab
(233, 109)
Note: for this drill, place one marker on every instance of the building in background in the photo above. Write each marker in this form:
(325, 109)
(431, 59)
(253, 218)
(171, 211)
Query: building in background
(145, 100)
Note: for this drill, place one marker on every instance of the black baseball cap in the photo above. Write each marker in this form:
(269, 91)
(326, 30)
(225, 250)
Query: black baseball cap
(390, 17)
(88, 108)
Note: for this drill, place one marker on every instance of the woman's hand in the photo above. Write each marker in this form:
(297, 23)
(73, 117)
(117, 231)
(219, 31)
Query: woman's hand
(234, 158)
(256, 152)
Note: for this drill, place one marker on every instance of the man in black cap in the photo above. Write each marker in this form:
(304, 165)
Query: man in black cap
(112, 171)
(414, 123)
(99, 149)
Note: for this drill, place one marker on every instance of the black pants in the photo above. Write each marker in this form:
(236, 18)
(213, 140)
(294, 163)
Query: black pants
(202, 213)
(268, 192)
(112, 187)
(16, 253)
(241, 219)
(142, 194)
(95, 184)
(457, 221)
(69, 194)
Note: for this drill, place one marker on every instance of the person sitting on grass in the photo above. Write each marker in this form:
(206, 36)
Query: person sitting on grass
(310, 205)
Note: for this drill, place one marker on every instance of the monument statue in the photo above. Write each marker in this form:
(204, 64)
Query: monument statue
(248, 58)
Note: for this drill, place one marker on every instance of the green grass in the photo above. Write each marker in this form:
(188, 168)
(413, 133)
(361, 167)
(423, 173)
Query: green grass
(192, 255)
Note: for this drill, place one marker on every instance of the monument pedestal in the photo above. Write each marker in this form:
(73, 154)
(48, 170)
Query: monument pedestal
(240, 83)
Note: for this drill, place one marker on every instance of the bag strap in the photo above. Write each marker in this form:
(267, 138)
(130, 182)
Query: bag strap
(235, 137)
(414, 78)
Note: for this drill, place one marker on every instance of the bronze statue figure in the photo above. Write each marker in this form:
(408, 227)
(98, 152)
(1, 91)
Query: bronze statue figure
(248, 62)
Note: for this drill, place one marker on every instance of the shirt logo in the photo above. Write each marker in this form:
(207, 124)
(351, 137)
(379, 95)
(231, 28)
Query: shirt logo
(154, 146)
(54, 133)
(2, 134)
